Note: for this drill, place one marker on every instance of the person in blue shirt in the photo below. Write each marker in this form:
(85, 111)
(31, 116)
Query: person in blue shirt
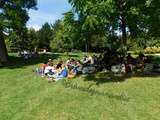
(63, 73)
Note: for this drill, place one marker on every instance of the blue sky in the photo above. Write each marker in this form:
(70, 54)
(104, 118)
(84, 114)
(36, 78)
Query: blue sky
(48, 11)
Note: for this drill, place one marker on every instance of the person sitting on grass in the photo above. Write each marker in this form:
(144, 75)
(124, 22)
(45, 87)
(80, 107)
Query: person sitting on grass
(71, 63)
(79, 66)
(59, 65)
(88, 65)
(141, 61)
(50, 62)
(129, 63)
(73, 73)
(62, 72)
(48, 68)
(55, 69)
(40, 69)
(88, 61)
(85, 60)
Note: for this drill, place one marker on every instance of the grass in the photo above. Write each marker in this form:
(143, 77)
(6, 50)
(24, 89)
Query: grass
(25, 96)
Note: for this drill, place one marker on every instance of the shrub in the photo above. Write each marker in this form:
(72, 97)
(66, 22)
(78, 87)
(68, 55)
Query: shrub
(152, 50)
(148, 50)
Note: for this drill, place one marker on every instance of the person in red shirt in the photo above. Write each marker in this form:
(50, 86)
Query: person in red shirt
(42, 68)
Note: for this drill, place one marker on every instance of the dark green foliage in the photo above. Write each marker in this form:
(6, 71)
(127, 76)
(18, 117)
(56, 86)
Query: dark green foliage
(138, 20)
(33, 39)
(13, 18)
(45, 35)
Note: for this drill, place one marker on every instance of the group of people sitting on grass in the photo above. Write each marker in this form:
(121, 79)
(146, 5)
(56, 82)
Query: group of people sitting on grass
(141, 64)
(88, 64)
(134, 64)
(70, 69)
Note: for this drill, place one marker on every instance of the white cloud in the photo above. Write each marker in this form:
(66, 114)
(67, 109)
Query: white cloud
(35, 26)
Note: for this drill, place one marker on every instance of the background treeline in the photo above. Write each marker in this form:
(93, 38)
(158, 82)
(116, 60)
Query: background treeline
(97, 25)
(91, 25)
(57, 38)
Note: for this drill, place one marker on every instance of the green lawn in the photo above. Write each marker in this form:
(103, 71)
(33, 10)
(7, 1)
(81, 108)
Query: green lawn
(25, 96)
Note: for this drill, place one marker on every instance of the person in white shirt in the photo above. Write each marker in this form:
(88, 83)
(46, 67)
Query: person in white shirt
(48, 68)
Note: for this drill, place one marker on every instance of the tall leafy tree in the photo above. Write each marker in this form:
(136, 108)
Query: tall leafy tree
(13, 17)
(135, 18)
(45, 35)
(63, 33)
(19, 39)
(33, 39)
(94, 18)
(66, 33)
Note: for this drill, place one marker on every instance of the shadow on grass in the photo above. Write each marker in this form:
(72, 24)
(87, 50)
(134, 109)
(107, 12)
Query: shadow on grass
(69, 84)
(101, 78)
(19, 62)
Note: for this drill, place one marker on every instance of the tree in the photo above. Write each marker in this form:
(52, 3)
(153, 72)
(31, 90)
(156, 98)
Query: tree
(66, 33)
(56, 26)
(45, 35)
(13, 17)
(94, 20)
(33, 39)
(62, 40)
(19, 39)
(130, 17)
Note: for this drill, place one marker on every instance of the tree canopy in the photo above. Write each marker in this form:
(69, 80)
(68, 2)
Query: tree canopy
(91, 25)
(13, 18)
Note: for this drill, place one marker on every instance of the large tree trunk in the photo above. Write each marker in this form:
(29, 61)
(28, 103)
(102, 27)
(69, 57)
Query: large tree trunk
(86, 45)
(3, 49)
(123, 28)
(124, 34)
(86, 48)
